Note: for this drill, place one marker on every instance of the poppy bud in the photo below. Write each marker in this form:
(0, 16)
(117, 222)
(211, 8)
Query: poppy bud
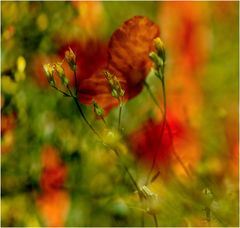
(156, 59)
(71, 59)
(49, 70)
(114, 84)
(61, 74)
(97, 109)
(160, 48)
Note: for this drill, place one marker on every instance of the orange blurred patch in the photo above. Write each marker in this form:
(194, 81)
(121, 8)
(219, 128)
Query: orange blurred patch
(186, 34)
(54, 207)
(90, 16)
(54, 201)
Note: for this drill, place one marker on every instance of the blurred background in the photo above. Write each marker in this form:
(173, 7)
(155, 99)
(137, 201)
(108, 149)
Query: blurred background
(55, 173)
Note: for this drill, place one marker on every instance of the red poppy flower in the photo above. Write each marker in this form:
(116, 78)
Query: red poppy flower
(128, 59)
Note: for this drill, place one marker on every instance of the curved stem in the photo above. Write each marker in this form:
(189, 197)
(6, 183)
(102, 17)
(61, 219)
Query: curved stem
(169, 130)
(155, 220)
(152, 96)
(161, 131)
(103, 120)
(82, 114)
(120, 113)
(64, 94)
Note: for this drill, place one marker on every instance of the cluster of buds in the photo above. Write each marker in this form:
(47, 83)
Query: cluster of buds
(159, 56)
(51, 69)
(57, 68)
(114, 84)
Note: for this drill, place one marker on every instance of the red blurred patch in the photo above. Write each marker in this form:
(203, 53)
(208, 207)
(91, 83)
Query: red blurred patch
(151, 139)
(8, 124)
(91, 56)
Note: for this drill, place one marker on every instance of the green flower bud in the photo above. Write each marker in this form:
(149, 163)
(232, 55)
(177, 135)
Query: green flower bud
(156, 59)
(97, 109)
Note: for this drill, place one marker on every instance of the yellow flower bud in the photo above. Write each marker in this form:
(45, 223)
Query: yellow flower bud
(60, 71)
(160, 48)
(71, 59)
(49, 71)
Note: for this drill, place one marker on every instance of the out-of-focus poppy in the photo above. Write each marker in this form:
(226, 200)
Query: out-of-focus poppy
(54, 207)
(177, 141)
(91, 55)
(186, 35)
(90, 16)
(8, 124)
(128, 59)
(53, 203)
(153, 140)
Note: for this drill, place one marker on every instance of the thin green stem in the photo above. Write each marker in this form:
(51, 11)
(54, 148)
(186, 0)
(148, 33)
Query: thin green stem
(76, 82)
(170, 132)
(152, 96)
(120, 113)
(103, 120)
(82, 114)
(111, 148)
(62, 92)
(125, 167)
(155, 220)
(161, 131)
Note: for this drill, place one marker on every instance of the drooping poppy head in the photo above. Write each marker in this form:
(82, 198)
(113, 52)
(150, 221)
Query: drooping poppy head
(128, 60)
